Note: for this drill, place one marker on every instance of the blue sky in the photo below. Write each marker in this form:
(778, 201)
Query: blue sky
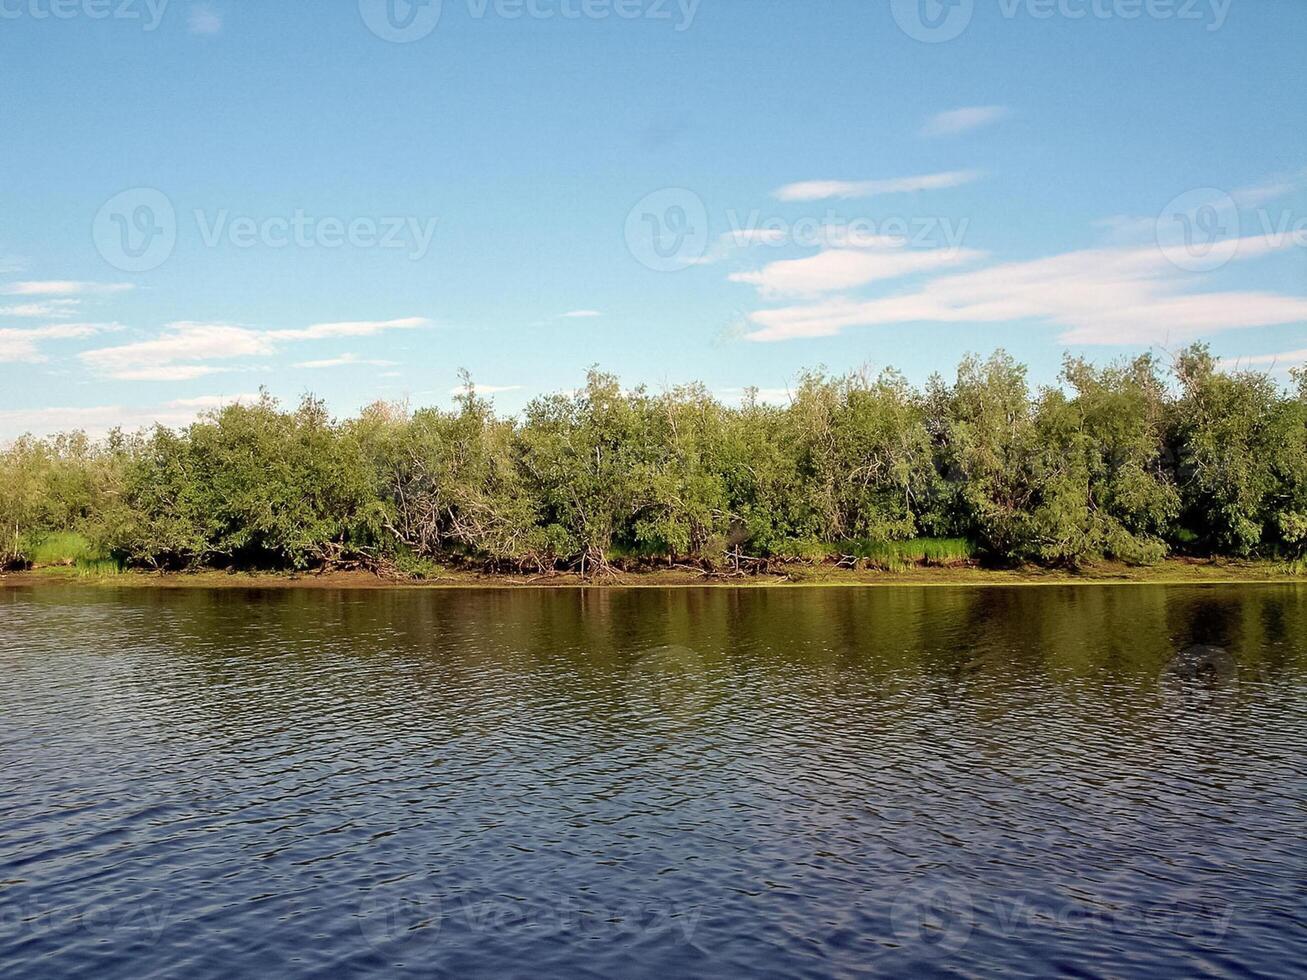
(358, 200)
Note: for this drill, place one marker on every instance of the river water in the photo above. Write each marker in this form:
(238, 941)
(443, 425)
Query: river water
(653, 782)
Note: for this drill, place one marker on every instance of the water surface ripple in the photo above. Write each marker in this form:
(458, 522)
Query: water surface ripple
(807, 782)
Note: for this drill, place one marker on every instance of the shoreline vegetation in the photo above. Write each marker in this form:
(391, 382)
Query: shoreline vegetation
(1133, 471)
(1168, 572)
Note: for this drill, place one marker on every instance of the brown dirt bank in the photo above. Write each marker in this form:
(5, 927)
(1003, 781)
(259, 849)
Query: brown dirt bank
(1173, 572)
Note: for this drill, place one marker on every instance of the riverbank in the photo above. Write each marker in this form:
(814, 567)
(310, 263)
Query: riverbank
(1171, 572)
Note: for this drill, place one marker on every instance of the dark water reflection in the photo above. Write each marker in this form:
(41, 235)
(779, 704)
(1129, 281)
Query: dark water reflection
(651, 782)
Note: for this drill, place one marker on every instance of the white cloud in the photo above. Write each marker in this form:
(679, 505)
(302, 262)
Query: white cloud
(98, 420)
(486, 389)
(1279, 362)
(342, 361)
(745, 237)
(764, 396)
(351, 328)
(1231, 211)
(180, 353)
(820, 190)
(170, 357)
(62, 287)
(728, 243)
(579, 314)
(1255, 196)
(52, 308)
(204, 19)
(846, 268)
(964, 120)
(22, 344)
(1098, 296)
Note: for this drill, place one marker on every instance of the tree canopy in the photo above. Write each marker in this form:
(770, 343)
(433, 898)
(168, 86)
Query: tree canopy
(1129, 461)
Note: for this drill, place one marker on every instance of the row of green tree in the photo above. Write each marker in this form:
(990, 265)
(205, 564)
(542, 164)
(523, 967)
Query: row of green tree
(1131, 462)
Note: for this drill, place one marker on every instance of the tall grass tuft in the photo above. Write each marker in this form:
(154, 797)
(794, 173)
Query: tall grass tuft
(897, 555)
(71, 551)
(59, 548)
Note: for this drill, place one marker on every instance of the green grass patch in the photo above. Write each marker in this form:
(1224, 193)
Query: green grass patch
(71, 552)
(895, 555)
(416, 567)
(97, 567)
(60, 548)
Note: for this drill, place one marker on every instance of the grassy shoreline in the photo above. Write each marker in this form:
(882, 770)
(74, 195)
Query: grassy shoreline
(1171, 572)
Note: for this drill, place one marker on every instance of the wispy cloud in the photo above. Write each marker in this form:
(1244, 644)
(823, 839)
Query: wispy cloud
(847, 268)
(343, 360)
(23, 344)
(176, 355)
(964, 120)
(1231, 211)
(1259, 194)
(203, 19)
(186, 350)
(53, 309)
(350, 328)
(820, 190)
(1280, 362)
(1100, 296)
(62, 287)
(579, 314)
(100, 419)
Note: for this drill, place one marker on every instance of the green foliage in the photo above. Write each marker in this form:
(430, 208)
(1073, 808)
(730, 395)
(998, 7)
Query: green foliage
(45, 486)
(1114, 463)
(894, 555)
(1241, 458)
(989, 450)
(1103, 489)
